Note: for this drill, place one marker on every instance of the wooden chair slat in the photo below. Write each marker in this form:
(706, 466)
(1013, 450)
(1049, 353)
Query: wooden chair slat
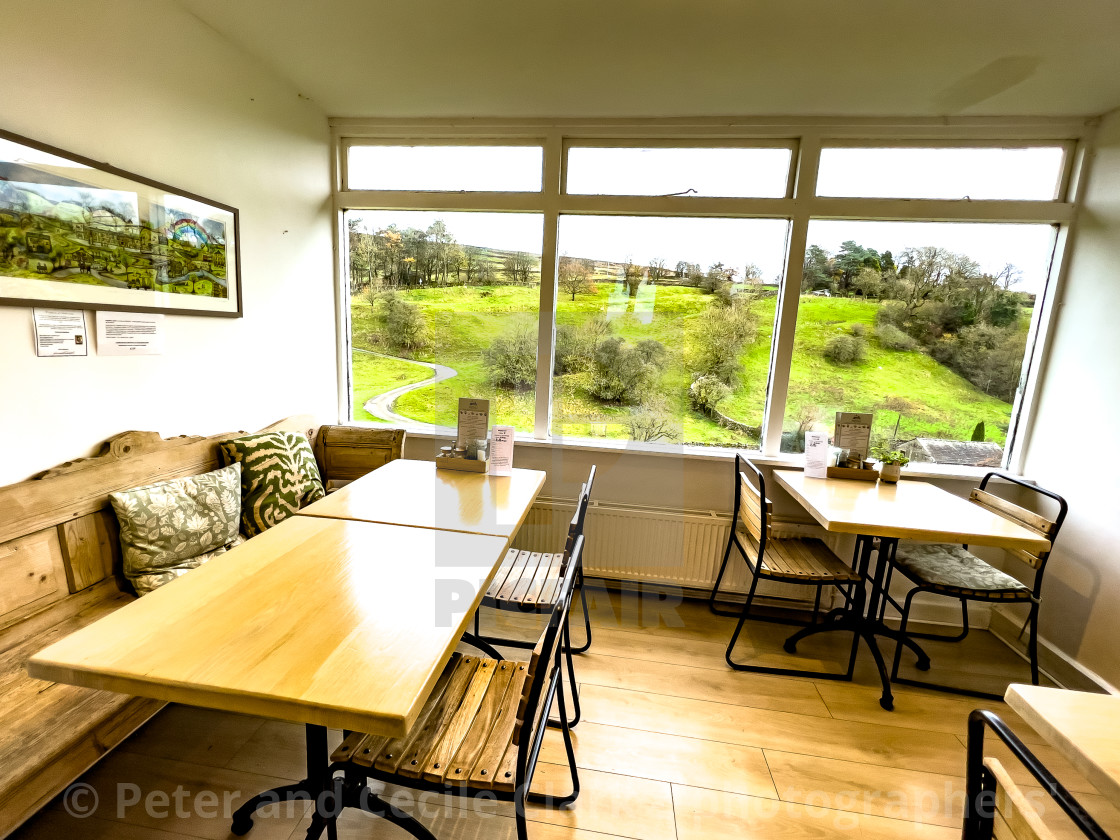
(482, 728)
(486, 765)
(402, 751)
(451, 736)
(515, 575)
(1016, 817)
(503, 572)
(539, 659)
(804, 559)
(506, 772)
(527, 577)
(1009, 510)
(360, 748)
(544, 572)
(552, 582)
(1031, 559)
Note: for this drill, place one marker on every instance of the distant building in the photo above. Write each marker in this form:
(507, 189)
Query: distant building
(965, 453)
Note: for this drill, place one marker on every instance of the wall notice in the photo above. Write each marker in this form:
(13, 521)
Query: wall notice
(129, 334)
(60, 332)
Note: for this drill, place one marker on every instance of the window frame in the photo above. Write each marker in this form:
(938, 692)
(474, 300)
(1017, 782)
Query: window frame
(805, 138)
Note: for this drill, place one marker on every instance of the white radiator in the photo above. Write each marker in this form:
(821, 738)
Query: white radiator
(656, 545)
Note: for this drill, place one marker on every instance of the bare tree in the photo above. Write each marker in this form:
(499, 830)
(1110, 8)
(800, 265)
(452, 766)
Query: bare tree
(518, 267)
(575, 276)
(657, 270)
(632, 276)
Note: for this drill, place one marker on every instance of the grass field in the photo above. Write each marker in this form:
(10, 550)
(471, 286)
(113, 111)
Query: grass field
(907, 388)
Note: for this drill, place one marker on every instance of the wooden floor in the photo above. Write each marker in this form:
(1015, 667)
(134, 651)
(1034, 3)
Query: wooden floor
(673, 746)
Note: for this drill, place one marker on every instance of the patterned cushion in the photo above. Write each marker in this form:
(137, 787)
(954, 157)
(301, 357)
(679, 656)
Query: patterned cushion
(278, 477)
(952, 570)
(174, 526)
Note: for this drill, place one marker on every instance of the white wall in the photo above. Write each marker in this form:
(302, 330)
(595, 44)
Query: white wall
(149, 88)
(1079, 411)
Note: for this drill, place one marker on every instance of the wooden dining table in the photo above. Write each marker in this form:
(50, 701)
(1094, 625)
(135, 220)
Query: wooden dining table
(884, 513)
(329, 621)
(1084, 727)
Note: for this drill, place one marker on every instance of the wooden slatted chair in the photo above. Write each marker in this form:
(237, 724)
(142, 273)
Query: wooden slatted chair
(479, 734)
(806, 562)
(528, 582)
(952, 571)
(996, 807)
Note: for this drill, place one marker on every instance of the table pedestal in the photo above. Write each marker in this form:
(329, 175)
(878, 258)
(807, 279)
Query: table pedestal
(866, 622)
(310, 788)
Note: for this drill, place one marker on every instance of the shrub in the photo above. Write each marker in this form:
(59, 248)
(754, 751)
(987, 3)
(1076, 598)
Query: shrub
(619, 373)
(650, 423)
(512, 359)
(717, 340)
(893, 313)
(706, 393)
(404, 323)
(858, 330)
(652, 352)
(572, 352)
(892, 338)
(845, 349)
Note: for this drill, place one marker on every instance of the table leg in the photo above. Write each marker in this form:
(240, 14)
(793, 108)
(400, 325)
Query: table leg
(314, 783)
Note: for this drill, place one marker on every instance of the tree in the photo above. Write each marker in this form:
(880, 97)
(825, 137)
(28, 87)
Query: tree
(869, 282)
(512, 359)
(652, 422)
(657, 270)
(472, 263)
(752, 273)
(404, 323)
(519, 267)
(682, 269)
(851, 259)
(619, 373)
(632, 276)
(816, 271)
(574, 275)
(717, 339)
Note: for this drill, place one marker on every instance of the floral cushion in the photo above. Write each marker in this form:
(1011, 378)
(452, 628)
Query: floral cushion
(952, 570)
(174, 526)
(278, 477)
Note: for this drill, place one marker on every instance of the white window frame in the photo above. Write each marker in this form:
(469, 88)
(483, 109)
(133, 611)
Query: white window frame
(805, 138)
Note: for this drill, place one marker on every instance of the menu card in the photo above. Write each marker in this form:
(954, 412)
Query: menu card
(501, 450)
(816, 454)
(853, 432)
(474, 420)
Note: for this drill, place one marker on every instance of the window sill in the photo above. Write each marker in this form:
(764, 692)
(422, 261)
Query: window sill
(947, 472)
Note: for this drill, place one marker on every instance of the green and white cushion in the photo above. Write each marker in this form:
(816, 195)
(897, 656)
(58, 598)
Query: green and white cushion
(952, 570)
(174, 526)
(278, 477)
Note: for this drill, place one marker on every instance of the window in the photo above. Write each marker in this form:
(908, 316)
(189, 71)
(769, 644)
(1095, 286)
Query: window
(922, 272)
(442, 306)
(925, 324)
(663, 327)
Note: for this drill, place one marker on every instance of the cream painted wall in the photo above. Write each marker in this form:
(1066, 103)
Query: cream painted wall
(149, 88)
(1079, 409)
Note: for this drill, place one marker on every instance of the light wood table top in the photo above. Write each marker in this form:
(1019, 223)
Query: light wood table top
(1084, 727)
(912, 510)
(416, 494)
(324, 621)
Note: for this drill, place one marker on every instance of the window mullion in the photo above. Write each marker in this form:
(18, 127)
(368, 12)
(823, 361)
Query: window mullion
(546, 323)
(785, 319)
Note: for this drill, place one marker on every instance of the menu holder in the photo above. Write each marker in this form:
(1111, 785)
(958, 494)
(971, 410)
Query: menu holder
(853, 433)
(445, 462)
(852, 473)
(471, 438)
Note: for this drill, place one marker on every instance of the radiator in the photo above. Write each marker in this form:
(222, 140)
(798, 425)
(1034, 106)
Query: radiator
(656, 545)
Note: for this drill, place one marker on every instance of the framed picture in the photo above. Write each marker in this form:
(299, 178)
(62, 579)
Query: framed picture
(79, 234)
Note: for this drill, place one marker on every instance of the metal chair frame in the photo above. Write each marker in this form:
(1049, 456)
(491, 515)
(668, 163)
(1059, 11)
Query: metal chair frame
(486, 643)
(979, 818)
(351, 791)
(1034, 597)
(851, 590)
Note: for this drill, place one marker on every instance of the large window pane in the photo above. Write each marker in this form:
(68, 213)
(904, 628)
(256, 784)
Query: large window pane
(925, 324)
(1024, 174)
(452, 168)
(442, 306)
(663, 327)
(738, 173)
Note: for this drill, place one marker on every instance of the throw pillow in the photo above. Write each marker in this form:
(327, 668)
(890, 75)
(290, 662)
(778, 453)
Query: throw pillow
(173, 526)
(278, 477)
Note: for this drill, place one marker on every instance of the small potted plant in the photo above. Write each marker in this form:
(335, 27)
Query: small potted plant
(891, 462)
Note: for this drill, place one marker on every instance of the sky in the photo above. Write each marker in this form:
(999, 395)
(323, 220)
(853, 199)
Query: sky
(954, 173)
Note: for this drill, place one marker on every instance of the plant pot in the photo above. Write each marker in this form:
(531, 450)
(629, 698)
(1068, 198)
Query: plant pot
(890, 472)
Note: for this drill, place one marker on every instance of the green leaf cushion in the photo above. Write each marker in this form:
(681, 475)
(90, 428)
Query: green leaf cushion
(278, 477)
(174, 526)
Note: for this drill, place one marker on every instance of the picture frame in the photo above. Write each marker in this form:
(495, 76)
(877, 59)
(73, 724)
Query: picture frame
(78, 234)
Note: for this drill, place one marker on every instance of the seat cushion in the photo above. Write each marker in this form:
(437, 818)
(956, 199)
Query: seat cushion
(278, 477)
(173, 526)
(954, 571)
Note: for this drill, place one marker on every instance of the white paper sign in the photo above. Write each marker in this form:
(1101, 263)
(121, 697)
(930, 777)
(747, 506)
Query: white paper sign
(501, 450)
(60, 332)
(129, 334)
(816, 454)
(474, 420)
(853, 432)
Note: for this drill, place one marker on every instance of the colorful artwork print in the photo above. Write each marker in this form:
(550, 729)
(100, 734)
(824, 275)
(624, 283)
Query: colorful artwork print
(83, 234)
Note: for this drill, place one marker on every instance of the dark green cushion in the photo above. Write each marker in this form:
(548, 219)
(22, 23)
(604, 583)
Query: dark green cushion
(278, 477)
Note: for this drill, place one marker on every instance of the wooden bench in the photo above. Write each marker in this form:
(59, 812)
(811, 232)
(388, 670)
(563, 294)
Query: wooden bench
(60, 569)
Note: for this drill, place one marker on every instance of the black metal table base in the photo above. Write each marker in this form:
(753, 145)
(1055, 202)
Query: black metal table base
(865, 622)
(314, 784)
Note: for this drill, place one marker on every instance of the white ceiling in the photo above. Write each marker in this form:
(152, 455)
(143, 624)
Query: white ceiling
(552, 58)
